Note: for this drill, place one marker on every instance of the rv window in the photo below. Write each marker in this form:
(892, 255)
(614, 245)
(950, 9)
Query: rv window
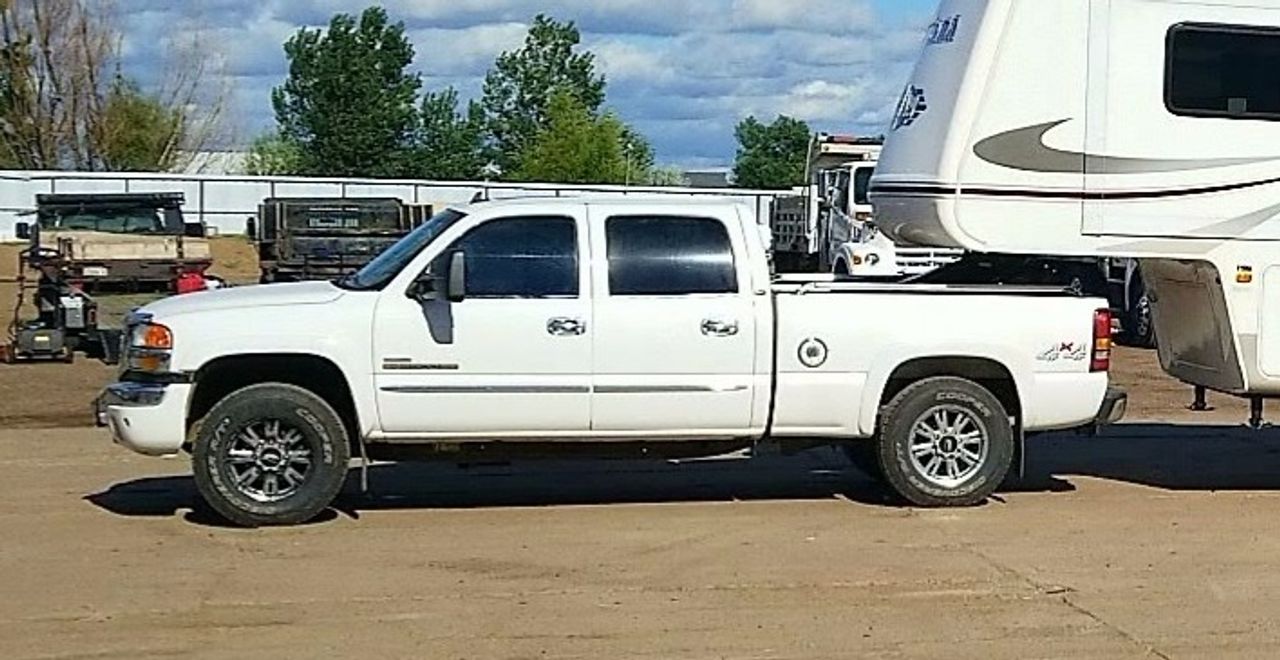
(1225, 71)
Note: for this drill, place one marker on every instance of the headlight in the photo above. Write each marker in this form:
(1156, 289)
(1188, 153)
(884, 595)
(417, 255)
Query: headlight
(150, 348)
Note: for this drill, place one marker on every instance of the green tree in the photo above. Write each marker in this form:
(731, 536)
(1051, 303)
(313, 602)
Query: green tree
(518, 90)
(668, 176)
(771, 155)
(349, 101)
(576, 146)
(273, 155)
(450, 144)
(137, 132)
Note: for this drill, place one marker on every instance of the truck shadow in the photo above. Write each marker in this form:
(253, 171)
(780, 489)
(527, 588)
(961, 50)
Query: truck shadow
(1176, 458)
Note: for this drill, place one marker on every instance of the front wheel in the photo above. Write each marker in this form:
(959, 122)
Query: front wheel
(945, 442)
(270, 454)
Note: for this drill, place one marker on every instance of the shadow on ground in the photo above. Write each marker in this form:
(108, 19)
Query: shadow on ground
(1166, 457)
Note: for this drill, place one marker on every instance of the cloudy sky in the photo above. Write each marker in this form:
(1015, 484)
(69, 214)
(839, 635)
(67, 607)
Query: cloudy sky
(682, 71)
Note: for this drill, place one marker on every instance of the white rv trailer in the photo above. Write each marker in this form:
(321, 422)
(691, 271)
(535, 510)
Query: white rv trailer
(1126, 128)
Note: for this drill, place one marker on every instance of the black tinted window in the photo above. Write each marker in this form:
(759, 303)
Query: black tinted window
(663, 256)
(862, 185)
(519, 258)
(1223, 71)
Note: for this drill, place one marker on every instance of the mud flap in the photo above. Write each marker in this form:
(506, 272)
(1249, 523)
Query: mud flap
(1020, 450)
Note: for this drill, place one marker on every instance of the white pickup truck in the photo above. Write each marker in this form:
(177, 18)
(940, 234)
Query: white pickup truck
(632, 327)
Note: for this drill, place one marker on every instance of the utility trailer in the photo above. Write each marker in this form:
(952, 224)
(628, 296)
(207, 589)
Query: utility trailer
(315, 238)
(827, 225)
(1144, 129)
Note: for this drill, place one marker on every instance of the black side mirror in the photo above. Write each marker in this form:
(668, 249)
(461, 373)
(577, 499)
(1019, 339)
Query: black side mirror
(251, 228)
(458, 277)
(22, 230)
(451, 286)
(193, 230)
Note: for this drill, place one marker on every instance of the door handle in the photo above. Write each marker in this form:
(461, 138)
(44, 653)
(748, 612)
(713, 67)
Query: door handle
(718, 328)
(566, 327)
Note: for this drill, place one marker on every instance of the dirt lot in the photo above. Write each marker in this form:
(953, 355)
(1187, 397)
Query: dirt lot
(1149, 541)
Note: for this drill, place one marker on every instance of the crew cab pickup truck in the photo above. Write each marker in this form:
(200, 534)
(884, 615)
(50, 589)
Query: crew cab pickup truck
(600, 327)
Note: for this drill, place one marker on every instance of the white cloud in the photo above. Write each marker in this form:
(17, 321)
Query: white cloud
(683, 71)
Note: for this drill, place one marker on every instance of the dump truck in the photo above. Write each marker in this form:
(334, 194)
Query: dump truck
(323, 238)
(827, 225)
(118, 241)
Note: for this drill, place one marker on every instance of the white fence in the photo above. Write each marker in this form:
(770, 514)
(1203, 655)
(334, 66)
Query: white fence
(224, 202)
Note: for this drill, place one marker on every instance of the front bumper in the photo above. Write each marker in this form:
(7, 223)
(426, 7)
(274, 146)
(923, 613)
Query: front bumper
(149, 418)
(1114, 406)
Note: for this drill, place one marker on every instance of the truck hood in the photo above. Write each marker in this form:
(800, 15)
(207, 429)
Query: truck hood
(271, 295)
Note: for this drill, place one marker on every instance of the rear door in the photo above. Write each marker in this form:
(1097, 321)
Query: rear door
(675, 324)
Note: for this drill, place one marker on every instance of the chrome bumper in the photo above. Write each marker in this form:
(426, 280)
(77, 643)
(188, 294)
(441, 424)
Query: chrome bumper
(1114, 406)
(127, 395)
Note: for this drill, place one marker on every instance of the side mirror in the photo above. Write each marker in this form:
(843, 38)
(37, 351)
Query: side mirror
(22, 230)
(451, 286)
(251, 228)
(457, 277)
(193, 230)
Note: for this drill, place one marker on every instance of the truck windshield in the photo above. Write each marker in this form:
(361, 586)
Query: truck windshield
(112, 221)
(379, 272)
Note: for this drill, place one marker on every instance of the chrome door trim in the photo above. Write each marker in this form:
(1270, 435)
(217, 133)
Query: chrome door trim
(488, 389)
(668, 389)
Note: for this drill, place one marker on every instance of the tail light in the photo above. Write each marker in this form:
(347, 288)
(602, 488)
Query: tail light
(1101, 341)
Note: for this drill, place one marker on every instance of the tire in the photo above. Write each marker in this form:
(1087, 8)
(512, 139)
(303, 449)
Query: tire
(1139, 327)
(270, 454)
(954, 480)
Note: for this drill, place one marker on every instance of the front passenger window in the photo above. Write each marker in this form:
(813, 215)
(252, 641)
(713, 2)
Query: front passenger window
(534, 257)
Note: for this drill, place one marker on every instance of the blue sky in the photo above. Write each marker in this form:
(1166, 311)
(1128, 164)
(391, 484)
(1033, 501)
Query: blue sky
(682, 71)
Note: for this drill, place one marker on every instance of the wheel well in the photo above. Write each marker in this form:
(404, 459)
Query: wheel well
(988, 373)
(214, 381)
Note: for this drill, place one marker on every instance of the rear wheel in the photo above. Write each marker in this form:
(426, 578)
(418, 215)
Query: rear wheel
(1138, 326)
(945, 442)
(270, 454)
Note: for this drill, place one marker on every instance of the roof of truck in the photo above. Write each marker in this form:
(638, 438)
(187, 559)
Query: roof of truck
(638, 199)
(111, 200)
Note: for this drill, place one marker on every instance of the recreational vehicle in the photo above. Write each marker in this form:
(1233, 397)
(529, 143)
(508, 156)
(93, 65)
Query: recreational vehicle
(1109, 128)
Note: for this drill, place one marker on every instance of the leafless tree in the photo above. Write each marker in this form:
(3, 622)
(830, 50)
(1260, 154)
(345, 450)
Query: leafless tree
(66, 103)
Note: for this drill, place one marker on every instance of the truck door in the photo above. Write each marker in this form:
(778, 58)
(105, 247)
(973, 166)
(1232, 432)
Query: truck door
(675, 335)
(513, 359)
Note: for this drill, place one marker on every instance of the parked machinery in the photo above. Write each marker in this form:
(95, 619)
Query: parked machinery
(119, 241)
(67, 316)
(323, 238)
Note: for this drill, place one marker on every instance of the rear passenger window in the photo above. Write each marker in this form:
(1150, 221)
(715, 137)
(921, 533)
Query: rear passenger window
(1226, 71)
(669, 256)
(534, 257)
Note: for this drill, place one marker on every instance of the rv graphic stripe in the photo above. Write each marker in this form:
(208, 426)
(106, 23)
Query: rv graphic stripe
(934, 190)
(1025, 149)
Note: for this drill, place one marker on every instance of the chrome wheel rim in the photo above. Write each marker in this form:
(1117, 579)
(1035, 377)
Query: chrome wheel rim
(269, 460)
(949, 445)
